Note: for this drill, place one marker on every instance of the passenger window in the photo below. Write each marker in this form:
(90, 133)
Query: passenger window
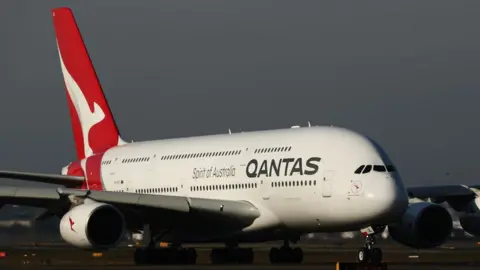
(379, 168)
(359, 170)
(367, 169)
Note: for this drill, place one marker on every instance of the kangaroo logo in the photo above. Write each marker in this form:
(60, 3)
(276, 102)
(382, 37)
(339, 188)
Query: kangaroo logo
(87, 118)
(71, 224)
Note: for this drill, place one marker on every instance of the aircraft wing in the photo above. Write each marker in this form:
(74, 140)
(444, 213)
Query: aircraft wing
(58, 179)
(457, 196)
(140, 209)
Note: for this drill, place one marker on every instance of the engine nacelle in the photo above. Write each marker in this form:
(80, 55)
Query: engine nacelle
(423, 225)
(470, 220)
(473, 207)
(93, 226)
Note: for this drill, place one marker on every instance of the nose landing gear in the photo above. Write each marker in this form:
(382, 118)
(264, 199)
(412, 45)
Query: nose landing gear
(368, 253)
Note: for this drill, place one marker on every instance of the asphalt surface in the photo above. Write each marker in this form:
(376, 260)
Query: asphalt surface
(255, 267)
(460, 256)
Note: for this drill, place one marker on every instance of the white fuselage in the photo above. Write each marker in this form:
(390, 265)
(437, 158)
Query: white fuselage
(311, 185)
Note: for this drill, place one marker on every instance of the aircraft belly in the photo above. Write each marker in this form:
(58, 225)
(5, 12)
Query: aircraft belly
(289, 215)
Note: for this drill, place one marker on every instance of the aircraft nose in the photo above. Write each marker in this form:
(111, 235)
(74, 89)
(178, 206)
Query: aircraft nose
(388, 197)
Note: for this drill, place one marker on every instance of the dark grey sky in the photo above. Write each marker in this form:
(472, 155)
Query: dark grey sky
(403, 72)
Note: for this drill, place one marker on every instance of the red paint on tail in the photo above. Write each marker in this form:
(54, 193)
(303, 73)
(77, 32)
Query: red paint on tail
(92, 120)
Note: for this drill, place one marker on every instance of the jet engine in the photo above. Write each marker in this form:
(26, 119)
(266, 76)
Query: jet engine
(93, 226)
(470, 220)
(423, 225)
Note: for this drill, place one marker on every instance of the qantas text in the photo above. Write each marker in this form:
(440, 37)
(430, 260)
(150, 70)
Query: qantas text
(282, 167)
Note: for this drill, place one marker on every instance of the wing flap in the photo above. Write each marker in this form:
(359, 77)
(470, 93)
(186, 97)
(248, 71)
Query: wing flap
(58, 179)
(240, 210)
(170, 203)
(29, 196)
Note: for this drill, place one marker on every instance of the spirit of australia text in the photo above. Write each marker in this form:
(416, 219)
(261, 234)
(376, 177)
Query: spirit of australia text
(213, 172)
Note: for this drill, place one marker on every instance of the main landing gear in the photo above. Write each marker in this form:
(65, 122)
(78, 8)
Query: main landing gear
(231, 254)
(286, 254)
(168, 255)
(368, 253)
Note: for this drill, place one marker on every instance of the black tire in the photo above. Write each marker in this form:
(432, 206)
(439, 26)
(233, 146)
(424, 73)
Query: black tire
(376, 255)
(274, 255)
(363, 255)
(140, 257)
(297, 254)
(247, 256)
(216, 256)
(192, 256)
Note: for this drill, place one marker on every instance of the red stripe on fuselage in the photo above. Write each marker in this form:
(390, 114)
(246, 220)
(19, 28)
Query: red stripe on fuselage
(93, 175)
(75, 169)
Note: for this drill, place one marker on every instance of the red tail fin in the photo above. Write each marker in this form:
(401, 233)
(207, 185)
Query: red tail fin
(94, 128)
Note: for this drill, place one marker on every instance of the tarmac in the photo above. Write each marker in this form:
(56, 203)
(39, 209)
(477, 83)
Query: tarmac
(453, 256)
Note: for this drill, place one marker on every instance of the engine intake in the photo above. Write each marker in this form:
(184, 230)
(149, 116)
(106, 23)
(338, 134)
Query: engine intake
(470, 219)
(93, 226)
(423, 225)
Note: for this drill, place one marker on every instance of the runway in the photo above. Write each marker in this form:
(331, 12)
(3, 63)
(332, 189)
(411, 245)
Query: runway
(254, 267)
(464, 256)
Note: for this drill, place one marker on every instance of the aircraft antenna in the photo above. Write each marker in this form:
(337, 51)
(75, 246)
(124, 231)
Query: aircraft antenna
(309, 125)
(229, 131)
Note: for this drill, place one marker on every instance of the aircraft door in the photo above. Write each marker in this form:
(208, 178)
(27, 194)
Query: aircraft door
(266, 188)
(119, 180)
(327, 183)
(184, 188)
(129, 186)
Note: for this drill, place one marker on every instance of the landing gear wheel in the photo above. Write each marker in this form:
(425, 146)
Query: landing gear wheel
(376, 255)
(368, 253)
(140, 257)
(246, 256)
(363, 255)
(297, 255)
(274, 255)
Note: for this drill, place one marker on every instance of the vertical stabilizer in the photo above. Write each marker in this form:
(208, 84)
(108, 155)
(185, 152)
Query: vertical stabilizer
(94, 128)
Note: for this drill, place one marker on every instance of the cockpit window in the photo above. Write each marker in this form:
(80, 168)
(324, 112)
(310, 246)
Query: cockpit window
(379, 168)
(359, 170)
(390, 168)
(367, 169)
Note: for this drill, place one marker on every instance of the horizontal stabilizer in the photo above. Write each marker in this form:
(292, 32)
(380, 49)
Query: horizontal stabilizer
(57, 179)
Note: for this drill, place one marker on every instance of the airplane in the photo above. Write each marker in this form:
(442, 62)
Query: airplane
(256, 186)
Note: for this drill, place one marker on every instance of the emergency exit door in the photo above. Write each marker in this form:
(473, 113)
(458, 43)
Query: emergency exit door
(327, 183)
